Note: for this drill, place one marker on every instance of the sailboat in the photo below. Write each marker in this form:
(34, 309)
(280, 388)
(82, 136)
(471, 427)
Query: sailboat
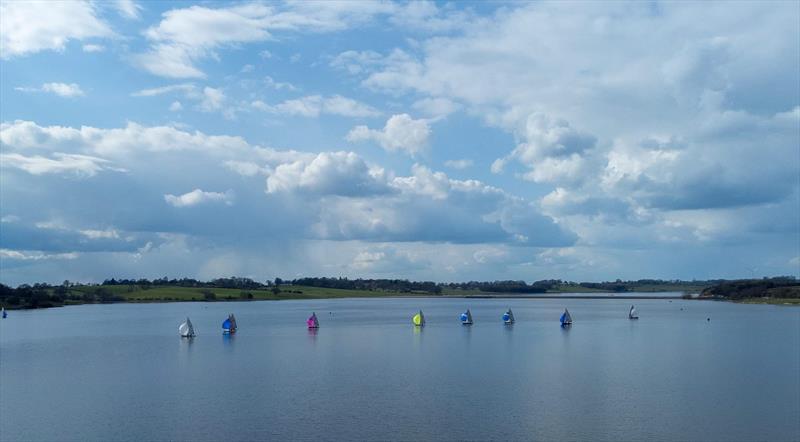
(466, 318)
(5, 315)
(508, 317)
(186, 329)
(229, 325)
(632, 313)
(418, 319)
(566, 319)
(312, 321)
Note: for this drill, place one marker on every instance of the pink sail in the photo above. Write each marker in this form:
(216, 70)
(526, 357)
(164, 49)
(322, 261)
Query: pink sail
(312, 321)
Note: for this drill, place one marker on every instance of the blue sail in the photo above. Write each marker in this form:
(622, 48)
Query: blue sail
(226, 324)
(563, 317)
(464, 317)
(506, 317)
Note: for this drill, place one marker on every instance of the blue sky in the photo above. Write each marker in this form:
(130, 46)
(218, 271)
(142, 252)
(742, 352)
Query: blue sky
(438, 141)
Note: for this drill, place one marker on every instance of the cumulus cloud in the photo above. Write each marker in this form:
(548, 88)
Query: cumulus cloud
(328, 173)
(401, 133)
(198, 196)
(61, 89)
(34, 26)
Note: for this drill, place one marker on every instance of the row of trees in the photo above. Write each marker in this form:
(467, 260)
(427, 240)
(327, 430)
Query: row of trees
(780, 287)
(395, 285)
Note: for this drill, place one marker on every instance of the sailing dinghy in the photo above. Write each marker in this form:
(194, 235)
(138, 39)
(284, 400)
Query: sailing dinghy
(5, 315)
(508, 317)
(632, 313)
(566, 319)
(418, 319)
(186, 329)
(466, 318)
(229, 325)
(312, 321)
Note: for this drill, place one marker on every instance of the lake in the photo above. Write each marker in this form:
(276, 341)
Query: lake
(120, 372)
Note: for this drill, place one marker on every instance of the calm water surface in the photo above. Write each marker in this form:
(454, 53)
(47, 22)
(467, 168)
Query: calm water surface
(120, 372)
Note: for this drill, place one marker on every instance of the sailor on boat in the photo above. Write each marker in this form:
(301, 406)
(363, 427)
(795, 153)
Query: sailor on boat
(566, 319)
(312, 321)
(229, 325)
(466, 318)
(186, 329)
(508, 317)
(632, 313)
(419, 319)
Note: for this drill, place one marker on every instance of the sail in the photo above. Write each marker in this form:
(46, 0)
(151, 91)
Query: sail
(186, 329)
(312, 321)
(508, 317)
(233, 321)
(4, 313)
(563, 318)
(632, 313)
(226, 324)
(418, 319)
(569, 318)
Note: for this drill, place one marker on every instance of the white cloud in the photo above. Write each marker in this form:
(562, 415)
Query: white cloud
(213, 99)
(356, 62)
(279, 85)
(198, 196)
(187, 36)
(32, 255)
(436, 107)
(93, 48)
(186, 88)
(328, 173)
(100, 234)
(401, 133)
(314, 105)
(128, 9)
(130, 140)
(175, 106)
(61, 163)
(458, 164)
(61, 89)
(33, 26)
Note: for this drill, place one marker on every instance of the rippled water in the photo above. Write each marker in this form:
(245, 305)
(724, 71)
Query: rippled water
(120, 372)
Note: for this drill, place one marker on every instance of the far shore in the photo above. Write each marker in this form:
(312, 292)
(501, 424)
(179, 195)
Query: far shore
(77, 294)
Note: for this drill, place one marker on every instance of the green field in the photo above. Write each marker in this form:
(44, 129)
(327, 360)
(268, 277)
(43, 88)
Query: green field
(173, 293)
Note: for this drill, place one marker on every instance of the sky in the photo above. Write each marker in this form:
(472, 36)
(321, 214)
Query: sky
(583, 141)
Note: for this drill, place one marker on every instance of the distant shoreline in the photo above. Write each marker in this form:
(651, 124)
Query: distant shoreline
(57, 296)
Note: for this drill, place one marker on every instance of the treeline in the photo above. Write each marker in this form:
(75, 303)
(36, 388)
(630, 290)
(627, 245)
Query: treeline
(505, 286)
(779, 287)
(220, 283)
(45, 295)
(393, 285)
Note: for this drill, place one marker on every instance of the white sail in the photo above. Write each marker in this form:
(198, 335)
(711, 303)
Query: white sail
(186, 329)
(632, 314)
